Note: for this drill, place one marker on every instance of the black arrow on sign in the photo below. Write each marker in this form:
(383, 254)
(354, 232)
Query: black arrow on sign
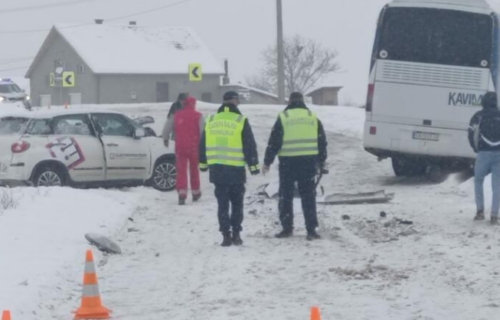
(195, 72)
(68, 80)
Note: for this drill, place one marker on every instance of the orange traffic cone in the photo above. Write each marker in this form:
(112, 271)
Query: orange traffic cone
(92, 307)
(315, 315)
(6, 315)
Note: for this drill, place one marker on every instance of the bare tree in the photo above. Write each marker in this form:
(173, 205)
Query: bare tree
(306, 63)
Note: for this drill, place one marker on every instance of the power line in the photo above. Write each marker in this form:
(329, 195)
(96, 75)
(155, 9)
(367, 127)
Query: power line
(110, 19)
(12, 69)
(42, 30)
(15, 61)
(45, 6)
(151, 10)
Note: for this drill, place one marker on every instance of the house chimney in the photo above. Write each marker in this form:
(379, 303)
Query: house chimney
(99, 21)
(226, 80)
(132, 23)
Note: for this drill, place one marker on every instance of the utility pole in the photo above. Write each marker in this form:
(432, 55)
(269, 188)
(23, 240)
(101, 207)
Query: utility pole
(281, 55)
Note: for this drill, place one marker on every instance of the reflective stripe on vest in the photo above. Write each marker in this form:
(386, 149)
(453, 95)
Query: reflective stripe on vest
(224, 142)
(300, 127)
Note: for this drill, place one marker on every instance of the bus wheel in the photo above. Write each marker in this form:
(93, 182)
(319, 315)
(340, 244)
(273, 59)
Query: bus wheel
(408, 168)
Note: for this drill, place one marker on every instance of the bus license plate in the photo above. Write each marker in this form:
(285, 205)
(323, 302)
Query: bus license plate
(426, 136)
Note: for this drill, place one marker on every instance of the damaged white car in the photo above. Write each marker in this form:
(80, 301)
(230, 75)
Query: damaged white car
(84, 148)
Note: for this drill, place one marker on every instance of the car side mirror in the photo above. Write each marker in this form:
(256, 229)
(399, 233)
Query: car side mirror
(139, 133)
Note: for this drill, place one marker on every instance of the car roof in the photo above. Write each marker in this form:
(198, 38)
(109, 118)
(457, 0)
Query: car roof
(6, 81)
(46, 114)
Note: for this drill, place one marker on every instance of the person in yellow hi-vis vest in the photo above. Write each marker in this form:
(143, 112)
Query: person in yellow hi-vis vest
(227, 146)
(299, 140)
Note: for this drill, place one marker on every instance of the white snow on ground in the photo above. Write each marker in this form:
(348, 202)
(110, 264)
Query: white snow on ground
(443, 266)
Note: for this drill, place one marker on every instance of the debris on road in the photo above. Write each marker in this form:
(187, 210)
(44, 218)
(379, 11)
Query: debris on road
(358, 198)
(103, 243)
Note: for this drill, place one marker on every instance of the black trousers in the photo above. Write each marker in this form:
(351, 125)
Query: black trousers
(230, 195)
(289, 175)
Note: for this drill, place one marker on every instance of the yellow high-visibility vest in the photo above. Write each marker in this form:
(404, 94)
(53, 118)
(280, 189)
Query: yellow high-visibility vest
(300, 138)
(224, 142)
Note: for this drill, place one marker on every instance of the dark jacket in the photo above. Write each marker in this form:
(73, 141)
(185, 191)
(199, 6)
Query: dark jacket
(176, 106)
(221, 174)
(485, 128)
(309, 164)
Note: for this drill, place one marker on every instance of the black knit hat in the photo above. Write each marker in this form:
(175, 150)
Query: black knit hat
(230, 95)
(489, 100)
(296, 97)
(182, 96)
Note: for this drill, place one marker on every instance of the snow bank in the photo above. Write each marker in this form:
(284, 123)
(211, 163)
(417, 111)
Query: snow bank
(42, 235)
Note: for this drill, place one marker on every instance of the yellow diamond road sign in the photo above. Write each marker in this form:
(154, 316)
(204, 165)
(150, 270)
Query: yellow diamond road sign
(195, 72)
(52, 79)
(68, 79)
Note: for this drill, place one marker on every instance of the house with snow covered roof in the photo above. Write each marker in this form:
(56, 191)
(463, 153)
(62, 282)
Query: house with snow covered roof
(325, 95)
(106, 64)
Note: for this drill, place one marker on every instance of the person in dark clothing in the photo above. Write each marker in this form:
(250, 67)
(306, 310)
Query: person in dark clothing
(174, 108)
(227, 145)
(178, 105)
(299, 139)
(484, 138)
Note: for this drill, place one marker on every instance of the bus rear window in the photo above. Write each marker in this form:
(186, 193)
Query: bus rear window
(436, 36)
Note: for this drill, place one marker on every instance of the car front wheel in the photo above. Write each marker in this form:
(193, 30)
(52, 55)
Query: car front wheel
(164, 175)
(48, 176)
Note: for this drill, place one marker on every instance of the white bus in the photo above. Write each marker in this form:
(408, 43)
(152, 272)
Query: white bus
(431, 64)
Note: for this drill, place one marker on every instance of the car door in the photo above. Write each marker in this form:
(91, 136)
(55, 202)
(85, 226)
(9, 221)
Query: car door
(75, 143)
(127, 157)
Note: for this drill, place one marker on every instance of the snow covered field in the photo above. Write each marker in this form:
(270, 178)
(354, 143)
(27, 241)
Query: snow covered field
(443, 266)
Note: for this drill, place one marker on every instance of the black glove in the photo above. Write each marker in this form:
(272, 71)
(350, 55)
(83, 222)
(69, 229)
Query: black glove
(255, 172)
(322, 169)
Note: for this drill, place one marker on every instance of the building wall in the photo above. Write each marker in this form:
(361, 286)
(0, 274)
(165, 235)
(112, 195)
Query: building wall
(326, 97)
(143, 88)
(86, 83)
(255, 96)
(330, 97)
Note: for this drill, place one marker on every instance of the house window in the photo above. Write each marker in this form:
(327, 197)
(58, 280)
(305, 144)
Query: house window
(81, 69)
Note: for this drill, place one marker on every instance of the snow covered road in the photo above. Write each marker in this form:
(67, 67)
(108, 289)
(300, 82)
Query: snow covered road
(443, 266)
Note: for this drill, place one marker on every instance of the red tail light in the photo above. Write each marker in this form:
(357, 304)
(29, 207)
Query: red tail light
(20, 147)
(369, 99)
(373, 131)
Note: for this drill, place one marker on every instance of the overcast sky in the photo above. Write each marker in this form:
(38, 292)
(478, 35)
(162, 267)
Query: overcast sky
(235, 29)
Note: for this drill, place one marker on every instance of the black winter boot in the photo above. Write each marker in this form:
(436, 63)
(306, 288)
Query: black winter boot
(196, 197)
(286, 233)
(237, 239)
(479, 215)
(313, 235)
(494, 221)
(226, 241)
(182, 201)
